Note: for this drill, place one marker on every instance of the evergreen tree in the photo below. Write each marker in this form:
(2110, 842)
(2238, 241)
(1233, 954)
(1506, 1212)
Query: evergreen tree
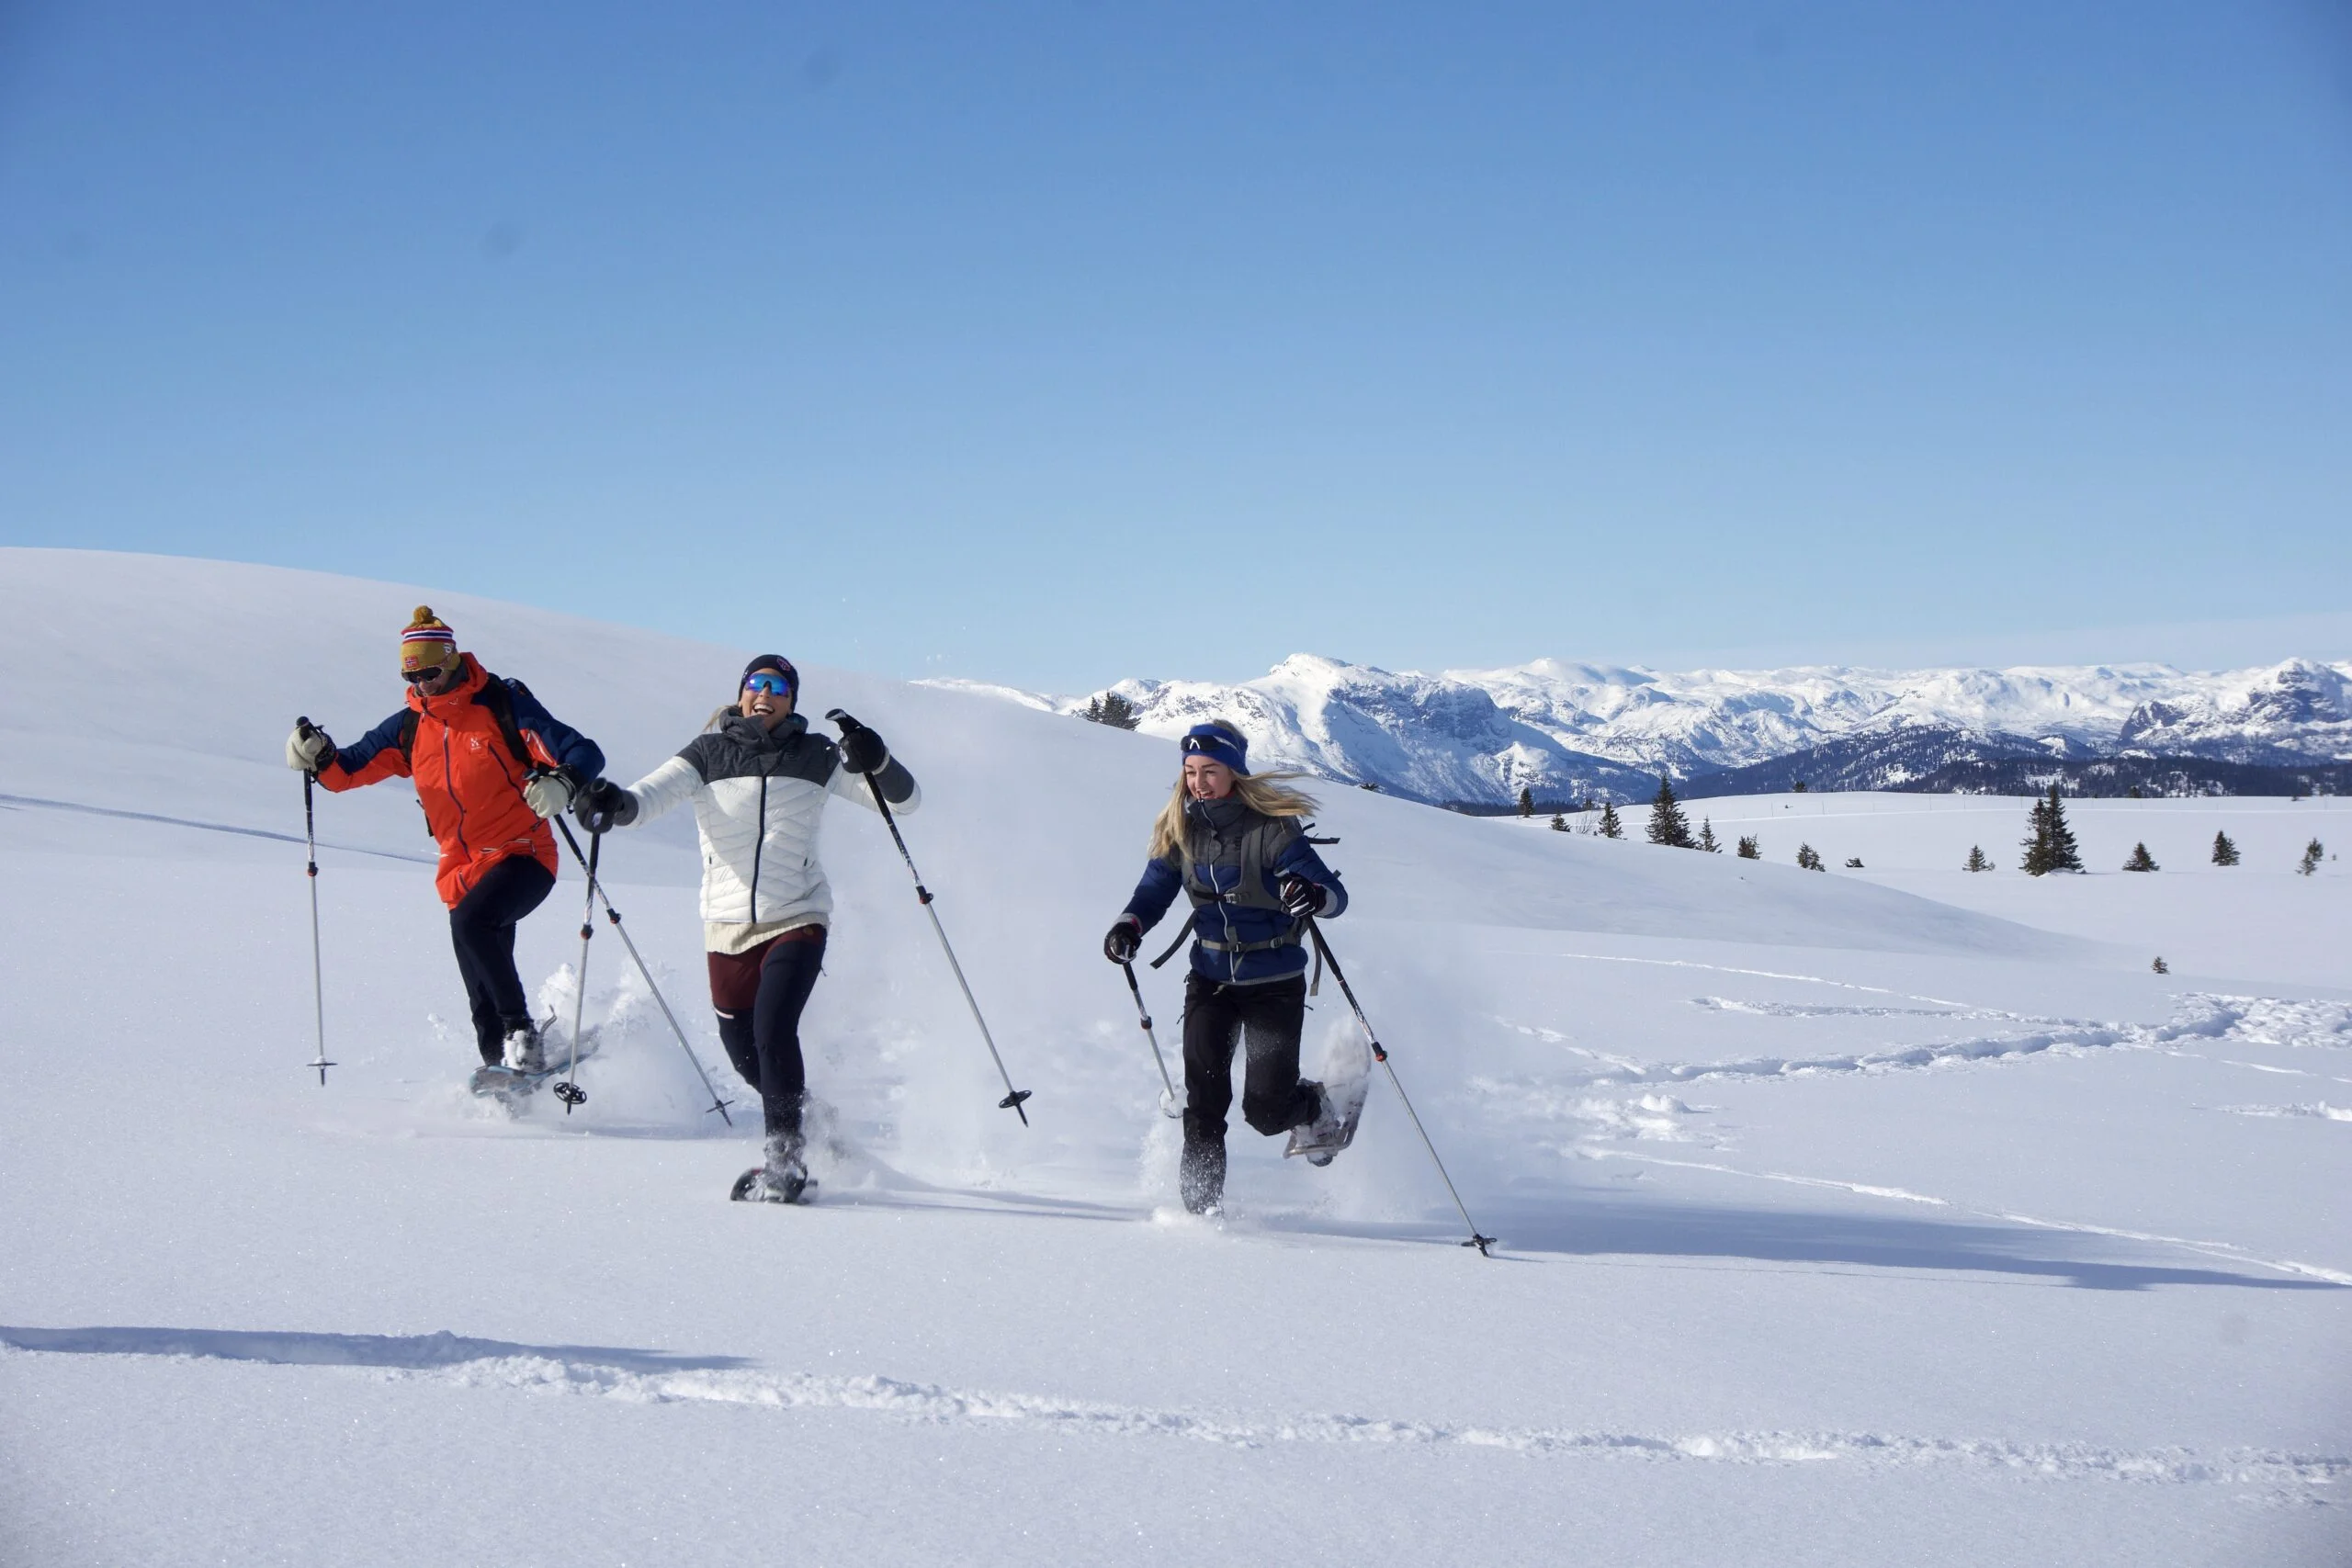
(1853, 862)
(1748, 848)
(2313, 852)
(1526, 801)
(1798, 787)
(2225, 852)
(1810, 858)
(1114, 710)
(2050, 847)
(1559, 823)
(1668, 825)
(1976, 861)
(1609, 827)
(2140, 859)
(1707, 836)
(2160, 966)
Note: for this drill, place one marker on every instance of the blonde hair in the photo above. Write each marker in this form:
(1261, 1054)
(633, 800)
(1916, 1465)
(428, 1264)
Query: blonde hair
(1268, 794)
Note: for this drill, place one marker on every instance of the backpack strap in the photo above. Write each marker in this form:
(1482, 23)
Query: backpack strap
(500, 700)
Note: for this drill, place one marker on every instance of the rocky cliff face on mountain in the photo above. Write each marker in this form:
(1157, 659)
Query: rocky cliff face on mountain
(1568, 730)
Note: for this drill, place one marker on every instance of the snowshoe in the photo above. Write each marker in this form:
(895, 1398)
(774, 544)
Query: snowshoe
(511, 1086)
(794, 1185)
(1334, 1128)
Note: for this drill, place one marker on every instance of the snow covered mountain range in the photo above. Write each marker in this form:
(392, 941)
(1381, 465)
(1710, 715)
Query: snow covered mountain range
(1566, 730)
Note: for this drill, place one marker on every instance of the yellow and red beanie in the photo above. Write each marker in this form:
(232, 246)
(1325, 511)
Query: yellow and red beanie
(427, 644)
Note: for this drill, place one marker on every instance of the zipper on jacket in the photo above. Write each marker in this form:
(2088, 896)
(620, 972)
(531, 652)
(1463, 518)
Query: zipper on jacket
(759, 845)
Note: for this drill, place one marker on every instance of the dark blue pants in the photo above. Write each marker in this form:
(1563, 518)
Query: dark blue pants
(481, 928)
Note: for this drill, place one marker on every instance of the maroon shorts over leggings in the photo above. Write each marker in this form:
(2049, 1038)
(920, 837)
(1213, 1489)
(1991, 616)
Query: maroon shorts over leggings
(758, 996)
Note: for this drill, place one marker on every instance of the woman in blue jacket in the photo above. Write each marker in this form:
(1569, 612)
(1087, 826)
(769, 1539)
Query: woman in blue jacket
(1235, 846)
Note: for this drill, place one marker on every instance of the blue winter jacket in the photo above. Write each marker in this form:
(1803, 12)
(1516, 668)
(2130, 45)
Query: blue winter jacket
(1221, 824)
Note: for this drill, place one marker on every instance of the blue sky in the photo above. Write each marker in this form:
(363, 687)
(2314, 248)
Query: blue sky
(1050, 344)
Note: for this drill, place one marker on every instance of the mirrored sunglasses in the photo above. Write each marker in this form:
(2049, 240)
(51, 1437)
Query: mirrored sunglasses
(775, 685)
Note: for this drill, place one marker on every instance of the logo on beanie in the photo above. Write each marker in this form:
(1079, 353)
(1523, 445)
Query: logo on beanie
(427, 644)
(1219, 742)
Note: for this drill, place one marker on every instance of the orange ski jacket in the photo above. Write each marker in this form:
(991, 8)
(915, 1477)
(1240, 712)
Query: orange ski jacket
(468, 777)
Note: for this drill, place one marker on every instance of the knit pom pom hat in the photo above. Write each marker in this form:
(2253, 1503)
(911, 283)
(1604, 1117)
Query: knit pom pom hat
(427, 644)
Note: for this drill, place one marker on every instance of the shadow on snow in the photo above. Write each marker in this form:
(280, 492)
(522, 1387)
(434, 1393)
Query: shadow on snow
(1584, 1226)
(410, 1351)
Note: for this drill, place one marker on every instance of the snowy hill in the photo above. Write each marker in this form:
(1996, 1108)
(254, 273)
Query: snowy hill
(1567, 730)
(1858, 1217)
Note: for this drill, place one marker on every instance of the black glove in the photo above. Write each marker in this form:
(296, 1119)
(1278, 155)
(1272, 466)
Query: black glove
(1302, 897)
(604, 805)
(863, 752)
(1125, 936)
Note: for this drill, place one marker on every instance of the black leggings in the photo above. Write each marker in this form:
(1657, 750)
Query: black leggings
(481, 928)
(1265, 1021)
(763, 1041)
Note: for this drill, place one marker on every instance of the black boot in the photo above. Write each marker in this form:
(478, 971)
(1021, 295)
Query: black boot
(1200, 1176)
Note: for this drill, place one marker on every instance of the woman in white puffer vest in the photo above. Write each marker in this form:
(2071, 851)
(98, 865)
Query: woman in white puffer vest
(759, 779)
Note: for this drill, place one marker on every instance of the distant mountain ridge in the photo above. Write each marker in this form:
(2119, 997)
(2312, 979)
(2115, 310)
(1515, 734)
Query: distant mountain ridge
(1565, 732)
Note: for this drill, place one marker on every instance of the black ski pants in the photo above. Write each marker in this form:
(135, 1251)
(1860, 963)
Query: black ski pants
(1265, 1020)
(481, 928)
(758, 997)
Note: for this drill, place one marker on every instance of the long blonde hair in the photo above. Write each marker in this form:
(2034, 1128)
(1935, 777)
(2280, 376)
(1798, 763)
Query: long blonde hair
(1268, 794)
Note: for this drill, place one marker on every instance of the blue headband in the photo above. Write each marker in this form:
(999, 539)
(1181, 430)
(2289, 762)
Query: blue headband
(1218, 744)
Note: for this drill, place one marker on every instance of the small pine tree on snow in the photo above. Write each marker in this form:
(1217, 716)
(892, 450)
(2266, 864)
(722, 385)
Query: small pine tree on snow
(1853, 862)
(2140, 859)
(1114, 710)
(2051, 845)
(1526, 801)
(1976, 859)
(2225, 852)
(2313, 852)
(1748, 848)
(1810, 858)
(1668, 825)
(2160, 966)
(1559, 823)
(1609, 827)
(1707, 836)
(1797, 788)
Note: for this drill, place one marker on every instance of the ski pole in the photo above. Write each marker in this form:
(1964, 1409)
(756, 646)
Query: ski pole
(569, 1090)
(318, 981)
(1012, 1097)
(1323, 948)
(597, 890)
(1169, 1104)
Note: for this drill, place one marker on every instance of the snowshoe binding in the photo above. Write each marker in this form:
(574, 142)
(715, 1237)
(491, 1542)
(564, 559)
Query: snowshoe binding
(1334, 1127)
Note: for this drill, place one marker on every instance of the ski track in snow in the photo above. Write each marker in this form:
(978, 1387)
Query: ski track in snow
(637, 1378)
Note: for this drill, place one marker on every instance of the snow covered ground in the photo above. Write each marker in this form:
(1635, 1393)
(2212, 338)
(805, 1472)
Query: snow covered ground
(1892, 1215)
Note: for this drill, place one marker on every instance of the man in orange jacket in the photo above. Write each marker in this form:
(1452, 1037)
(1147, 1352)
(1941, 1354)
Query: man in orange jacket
(491, 765)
